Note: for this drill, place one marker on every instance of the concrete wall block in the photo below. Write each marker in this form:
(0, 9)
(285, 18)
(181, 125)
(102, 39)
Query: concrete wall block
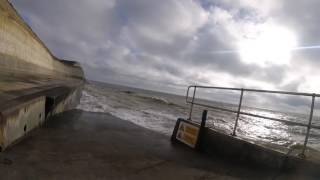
(68, 103)
(22, 121)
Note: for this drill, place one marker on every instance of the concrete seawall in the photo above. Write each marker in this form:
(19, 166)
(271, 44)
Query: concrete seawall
(240, 151)
(34, 84)
(22, 50)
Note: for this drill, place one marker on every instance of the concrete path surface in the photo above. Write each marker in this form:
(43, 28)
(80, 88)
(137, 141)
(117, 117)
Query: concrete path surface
(86, 145)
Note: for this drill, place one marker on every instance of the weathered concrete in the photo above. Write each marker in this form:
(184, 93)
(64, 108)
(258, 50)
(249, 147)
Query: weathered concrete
(23, 110)
(85, 145)
(34, 84)
(21, 49)
(238, 150)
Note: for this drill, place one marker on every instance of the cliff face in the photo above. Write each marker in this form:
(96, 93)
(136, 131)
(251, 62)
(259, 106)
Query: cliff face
(34, 84)
(22, 50)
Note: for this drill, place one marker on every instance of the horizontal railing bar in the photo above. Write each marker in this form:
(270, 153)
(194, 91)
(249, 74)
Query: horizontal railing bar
(275, 119)
(254, 115)
(315, 127)
(214, 107)
(258, 90)
(215, 87)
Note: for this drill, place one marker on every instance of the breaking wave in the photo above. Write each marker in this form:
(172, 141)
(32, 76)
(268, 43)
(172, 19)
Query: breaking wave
(139, 109)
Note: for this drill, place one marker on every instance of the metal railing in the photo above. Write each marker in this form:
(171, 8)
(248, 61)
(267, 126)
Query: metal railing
(239, 112)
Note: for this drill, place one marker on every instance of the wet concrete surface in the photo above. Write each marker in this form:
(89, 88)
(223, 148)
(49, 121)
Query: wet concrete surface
(86, 145)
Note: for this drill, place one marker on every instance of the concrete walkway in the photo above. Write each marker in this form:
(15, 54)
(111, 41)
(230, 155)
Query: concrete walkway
(85, 145)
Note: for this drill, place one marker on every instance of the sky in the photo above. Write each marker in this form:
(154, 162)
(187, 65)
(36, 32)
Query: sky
(169, 44)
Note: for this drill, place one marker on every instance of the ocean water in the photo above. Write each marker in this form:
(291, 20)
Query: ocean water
(159, 112)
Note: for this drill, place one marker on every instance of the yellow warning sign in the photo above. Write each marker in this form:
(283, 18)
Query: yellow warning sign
(188, 133)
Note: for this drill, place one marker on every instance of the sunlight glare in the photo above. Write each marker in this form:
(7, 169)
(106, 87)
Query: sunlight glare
(270, 45)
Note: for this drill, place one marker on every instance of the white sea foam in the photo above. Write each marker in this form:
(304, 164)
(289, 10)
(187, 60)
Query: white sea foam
(148, 118)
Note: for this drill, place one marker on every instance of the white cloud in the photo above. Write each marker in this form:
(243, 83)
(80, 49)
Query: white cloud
(178, 42)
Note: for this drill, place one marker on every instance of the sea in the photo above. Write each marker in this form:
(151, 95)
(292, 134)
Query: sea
(159, 111)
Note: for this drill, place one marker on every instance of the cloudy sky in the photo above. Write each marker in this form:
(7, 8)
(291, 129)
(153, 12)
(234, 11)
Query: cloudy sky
(169, 44)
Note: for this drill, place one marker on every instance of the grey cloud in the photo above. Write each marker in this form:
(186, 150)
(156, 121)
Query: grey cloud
(149, 41)
(293, 85)
(302, 16)
(307, 57)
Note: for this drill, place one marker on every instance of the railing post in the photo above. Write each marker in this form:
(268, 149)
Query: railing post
(309, 127)
(202, 129)
(187, 94)
(238, 114)
(204, 119)
(191, 107)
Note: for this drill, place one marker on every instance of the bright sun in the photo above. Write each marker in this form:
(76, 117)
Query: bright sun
(270, 45)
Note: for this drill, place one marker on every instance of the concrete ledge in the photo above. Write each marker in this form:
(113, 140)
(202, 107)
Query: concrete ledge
(16, 124)
(25, 113)
(237, 150)
(240, 151)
